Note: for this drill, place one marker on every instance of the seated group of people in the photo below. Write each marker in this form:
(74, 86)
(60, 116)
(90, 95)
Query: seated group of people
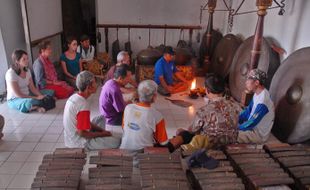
(134, 126)
(24, 92)
(128, 123)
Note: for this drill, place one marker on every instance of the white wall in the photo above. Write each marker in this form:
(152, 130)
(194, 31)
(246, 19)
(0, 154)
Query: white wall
(3, 61)
(12, 31)
(170, 12)
(291, 30)
(44, 17)
(11, 25)
(56, 46)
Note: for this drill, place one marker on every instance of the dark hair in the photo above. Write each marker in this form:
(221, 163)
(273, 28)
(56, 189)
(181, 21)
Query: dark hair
(16, 56)
(169, 50)
(43, 45)
(121, 71)
(84, 37)
(70, 39)
(215, 83)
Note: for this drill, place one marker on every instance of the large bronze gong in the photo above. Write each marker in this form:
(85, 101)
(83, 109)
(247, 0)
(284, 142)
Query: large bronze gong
(183, 55)
(224, 54)
(269, 62)
(290, 91)
(148, 56)
(216, 37)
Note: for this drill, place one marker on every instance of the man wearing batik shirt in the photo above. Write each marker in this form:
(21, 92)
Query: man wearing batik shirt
(256, 120)
(216, 123)
(143, 125)
(79, 132)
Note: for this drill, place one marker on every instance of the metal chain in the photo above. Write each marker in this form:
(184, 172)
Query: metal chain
(230, 21)
(233, 12)
(280, 5)
(230, 15)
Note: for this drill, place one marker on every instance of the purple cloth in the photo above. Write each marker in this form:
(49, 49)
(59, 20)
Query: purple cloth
(111, 102)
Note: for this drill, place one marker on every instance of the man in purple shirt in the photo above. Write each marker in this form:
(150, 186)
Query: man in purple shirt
(111, 102)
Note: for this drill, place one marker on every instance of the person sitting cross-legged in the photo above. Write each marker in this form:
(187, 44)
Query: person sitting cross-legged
(215, 123)
(111, 101)
(143, 125)
(79, 132)
(71, 62)
(129, 90)
(256, 120)
(86, 50)
(166, 71)
(45, 74)
(22, 94)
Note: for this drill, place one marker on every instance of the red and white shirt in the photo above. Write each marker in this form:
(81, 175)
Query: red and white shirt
(143, 126)
(76, 117)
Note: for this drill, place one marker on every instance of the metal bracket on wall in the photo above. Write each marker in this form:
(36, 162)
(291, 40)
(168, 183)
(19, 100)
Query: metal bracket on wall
(235, 12)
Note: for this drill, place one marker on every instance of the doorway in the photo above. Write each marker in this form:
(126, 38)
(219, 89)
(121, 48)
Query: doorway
(79, 17)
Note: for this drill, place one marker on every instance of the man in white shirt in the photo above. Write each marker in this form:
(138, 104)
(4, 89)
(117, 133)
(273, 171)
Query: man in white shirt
(86, 50)
(256, 120)
(143, 125)
(79, 132)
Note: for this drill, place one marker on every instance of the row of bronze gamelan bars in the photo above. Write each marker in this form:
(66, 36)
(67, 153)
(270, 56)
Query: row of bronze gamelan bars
(235, 167)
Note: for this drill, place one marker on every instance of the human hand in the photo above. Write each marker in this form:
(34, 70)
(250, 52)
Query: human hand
(57, 82)
(40, 97)
(106, 133)
(170, 89)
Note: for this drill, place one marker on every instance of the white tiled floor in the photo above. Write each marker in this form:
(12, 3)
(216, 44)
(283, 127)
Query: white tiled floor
(28, 137)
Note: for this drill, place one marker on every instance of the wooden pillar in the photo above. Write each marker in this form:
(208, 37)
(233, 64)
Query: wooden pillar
(262, 6)
(258, 36)
(211, 7)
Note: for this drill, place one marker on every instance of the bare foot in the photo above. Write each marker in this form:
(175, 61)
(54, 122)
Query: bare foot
(41, 110)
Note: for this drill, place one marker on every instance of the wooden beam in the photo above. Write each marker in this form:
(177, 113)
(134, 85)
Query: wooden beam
(147, 26)
(36, 42)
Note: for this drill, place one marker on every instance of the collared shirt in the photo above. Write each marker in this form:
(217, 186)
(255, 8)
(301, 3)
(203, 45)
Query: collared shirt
(110, 73)
(218, 120)
(162, 68)
(86, 54)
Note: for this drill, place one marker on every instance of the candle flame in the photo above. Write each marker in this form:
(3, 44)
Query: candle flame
(193, 86)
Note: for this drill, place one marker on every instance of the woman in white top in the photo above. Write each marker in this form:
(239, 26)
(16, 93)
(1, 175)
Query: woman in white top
(22, 94)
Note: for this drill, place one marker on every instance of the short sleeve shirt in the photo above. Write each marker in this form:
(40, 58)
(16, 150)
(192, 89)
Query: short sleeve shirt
(76, 117)
(143, 126)
(23, 83)
(72, 65)
(165, 69)
(111, 101)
